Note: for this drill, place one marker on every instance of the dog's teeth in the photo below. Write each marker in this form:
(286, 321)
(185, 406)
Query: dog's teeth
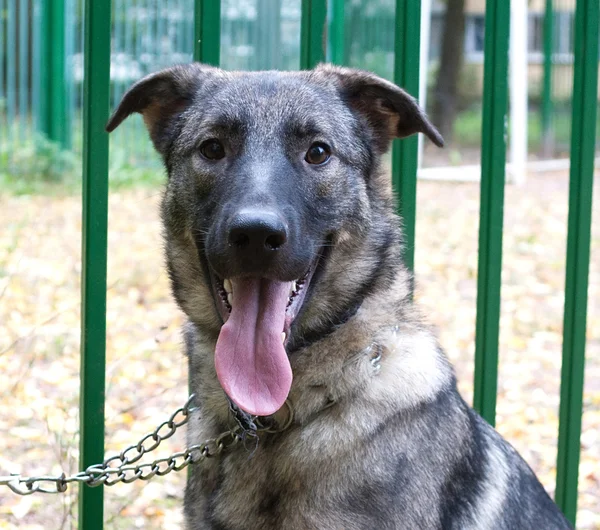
(228, 286)
(230, 299)
(293, 290)
(283, 336)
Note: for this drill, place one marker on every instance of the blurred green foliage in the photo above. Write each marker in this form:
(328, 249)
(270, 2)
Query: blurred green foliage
(36, 165)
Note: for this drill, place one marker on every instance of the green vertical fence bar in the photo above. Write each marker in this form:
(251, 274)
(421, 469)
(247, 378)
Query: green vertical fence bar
(71, 85)
(405, 153)
(94, 241)
(207, 45)
(35, 61)
(23, 68)
(55, 54)
(493, 158)
(3, 118)
(43, 68)
(207, 31)
(336, 32)
(137, 127)
(53, 119)
(119, 23)
(126, 46)
(11, 76)
(547, 84)
(160, 30)
(268, 43)
(312, 33)
(583, 139)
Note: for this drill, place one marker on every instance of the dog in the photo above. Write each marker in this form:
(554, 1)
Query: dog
(285, 252)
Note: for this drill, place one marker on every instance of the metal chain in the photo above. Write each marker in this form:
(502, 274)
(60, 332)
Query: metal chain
(121, 468)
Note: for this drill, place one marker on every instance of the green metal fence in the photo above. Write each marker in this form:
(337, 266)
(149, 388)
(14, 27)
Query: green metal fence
(41, 77)
(41, 59)
(160, 33)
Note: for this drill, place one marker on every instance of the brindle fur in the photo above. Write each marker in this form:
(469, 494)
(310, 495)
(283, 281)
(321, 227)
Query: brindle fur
(399, 448)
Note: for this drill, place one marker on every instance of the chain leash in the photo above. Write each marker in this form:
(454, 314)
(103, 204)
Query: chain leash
(123, 467)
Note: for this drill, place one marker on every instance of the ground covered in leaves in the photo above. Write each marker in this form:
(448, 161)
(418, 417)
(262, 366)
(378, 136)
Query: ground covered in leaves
(146, 371)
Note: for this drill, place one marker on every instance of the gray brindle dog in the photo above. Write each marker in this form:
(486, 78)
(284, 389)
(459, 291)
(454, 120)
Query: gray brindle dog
(284, 251)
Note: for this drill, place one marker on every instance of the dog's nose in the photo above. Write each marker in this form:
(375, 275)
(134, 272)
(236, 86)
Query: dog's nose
(257, 231)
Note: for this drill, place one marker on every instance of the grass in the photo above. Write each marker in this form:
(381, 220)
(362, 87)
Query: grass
(30, 164)
(467, 129)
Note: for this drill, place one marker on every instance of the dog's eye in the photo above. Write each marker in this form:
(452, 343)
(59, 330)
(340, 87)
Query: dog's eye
(318, 153)
(212, 149)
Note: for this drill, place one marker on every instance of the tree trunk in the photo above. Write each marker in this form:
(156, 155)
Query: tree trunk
(451, 61)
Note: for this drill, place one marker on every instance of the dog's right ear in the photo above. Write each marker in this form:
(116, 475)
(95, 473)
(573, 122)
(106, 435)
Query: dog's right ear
(160, 98)
(390, 112)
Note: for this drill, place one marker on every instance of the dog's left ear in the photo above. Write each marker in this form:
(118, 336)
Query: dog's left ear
(390, 111)
(160, 98)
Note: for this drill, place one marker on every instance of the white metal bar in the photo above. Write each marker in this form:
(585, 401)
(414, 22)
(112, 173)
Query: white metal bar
(518, 91)
(424, 64)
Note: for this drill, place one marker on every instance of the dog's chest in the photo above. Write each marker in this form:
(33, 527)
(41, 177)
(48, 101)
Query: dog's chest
(266, 488)
(291, 485)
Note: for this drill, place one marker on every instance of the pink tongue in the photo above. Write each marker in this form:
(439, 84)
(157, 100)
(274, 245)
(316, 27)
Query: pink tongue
(251, 362)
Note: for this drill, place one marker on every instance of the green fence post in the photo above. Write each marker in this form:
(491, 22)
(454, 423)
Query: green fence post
(312, 33)
(23, 69)
(207, 31)
(268, 54)
(35, 64)
(56, 47)
(547, 86)
(96, 91)
(70, 46)
(3, 109)
(583, 140)
(493, 158)
(43, 67)
(405, 153)
(53, 119)
(207, 49)
(11, 75)
(336, 32)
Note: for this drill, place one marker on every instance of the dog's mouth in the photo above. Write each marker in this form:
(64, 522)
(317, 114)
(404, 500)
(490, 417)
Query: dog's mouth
(297, 290)
(250, 357)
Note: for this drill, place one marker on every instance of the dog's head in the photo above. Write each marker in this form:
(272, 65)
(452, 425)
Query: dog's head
(277, 222)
